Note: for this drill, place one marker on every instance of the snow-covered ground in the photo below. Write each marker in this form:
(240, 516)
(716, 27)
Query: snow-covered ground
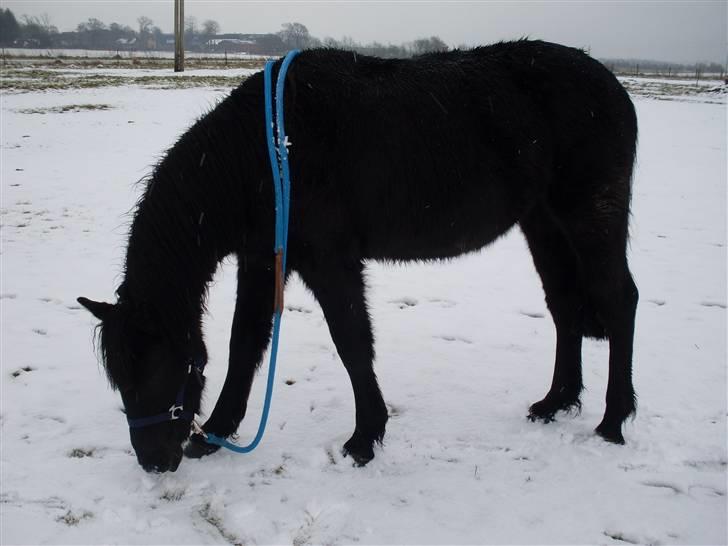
(463, 348)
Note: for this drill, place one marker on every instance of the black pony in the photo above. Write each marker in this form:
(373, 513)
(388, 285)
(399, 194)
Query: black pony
(396, 160)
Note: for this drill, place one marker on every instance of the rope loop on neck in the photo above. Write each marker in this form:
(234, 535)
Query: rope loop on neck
(278, 156)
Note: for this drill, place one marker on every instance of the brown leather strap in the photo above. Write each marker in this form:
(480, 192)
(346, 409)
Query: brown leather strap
(278, 301)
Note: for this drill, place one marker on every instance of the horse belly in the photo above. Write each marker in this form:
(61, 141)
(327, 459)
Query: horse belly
(436, 226)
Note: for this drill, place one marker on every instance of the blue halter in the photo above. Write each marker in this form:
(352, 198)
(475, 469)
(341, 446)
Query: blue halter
(278, 154)
(176, 410)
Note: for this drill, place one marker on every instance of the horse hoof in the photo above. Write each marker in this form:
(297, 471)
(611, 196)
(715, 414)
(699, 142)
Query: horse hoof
(360, 450)
(541, 411)
(197, 447)
(611, 434)
(533, 417)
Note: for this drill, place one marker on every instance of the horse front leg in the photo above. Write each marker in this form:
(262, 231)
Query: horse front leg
(250, 335)
(339, 289)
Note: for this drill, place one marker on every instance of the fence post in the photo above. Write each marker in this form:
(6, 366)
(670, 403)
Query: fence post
(179, 33)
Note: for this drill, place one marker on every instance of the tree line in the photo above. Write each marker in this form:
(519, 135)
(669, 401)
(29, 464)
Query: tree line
(640, 66)
(38, 31)
(297, 36)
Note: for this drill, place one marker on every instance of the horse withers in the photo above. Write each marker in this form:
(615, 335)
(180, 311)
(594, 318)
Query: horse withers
(418, 159)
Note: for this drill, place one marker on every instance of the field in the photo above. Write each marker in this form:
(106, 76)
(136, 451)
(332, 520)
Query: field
(463, 349)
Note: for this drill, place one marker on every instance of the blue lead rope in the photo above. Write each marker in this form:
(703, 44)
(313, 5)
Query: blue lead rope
(278, 155)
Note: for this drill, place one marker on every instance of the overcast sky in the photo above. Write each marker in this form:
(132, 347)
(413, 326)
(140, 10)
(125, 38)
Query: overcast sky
(679, 31)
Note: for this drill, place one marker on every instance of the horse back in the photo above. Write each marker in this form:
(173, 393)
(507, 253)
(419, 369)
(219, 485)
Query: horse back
(439, 155)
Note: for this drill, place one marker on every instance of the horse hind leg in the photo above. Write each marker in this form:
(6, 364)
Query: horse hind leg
(615, 297)
(598, 230)
(560, 270)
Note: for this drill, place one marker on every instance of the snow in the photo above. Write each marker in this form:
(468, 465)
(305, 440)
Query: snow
(463, 348)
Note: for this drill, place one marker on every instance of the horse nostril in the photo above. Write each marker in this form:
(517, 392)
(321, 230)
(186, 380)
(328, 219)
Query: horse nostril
(154, 468)
(163, 462)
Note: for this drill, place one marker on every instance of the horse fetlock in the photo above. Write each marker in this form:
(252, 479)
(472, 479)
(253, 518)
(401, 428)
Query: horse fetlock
(197, 447)
(546, 409)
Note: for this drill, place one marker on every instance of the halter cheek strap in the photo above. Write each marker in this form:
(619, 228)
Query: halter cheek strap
(176, 411)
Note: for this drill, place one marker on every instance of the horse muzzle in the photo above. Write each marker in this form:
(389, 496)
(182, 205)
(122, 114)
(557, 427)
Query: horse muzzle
(161, 461)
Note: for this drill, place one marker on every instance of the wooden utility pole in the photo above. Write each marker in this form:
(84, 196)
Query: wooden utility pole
(179, 35)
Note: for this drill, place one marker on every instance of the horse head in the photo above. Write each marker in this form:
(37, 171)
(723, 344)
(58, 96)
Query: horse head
(159, 392)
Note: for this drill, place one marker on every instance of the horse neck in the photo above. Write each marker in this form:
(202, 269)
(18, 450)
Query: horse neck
(196, 210)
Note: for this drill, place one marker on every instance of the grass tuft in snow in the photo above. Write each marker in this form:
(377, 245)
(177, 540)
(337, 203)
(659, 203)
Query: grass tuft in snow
(71, 519)
(73, 108)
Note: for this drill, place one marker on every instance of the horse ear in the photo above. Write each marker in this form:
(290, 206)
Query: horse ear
(99, 309)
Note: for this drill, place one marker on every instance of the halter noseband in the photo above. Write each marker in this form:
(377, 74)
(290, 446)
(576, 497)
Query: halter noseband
(176, 410)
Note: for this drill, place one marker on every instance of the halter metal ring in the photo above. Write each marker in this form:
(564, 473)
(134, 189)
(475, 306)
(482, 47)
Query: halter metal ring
(175, 412)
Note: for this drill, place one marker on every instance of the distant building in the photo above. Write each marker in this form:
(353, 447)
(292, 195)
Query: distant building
(27, 42)
(254, 44)
(126, 43)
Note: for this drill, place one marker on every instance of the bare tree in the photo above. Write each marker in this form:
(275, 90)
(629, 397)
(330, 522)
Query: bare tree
(42, 22)
(145, 24)
(428, 45)
(38, 29)
(295, 35)
(91, 25)
(191, 25)
(210, 28)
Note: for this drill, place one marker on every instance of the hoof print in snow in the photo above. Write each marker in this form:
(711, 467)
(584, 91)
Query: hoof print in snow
(454, 338)
(532, 314)
(620, 537)
(173, 495)
(53, 418)
(82, 453)
(404, 303)
(708, 466)
(659, 303)
(8, 296)
(298, 309)
(706, 490)
(21, 371)
(713, 304)
(40, 331)
(442, 303)
(664, 485)
(394, 411)
(71, 519)
(207, 513)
